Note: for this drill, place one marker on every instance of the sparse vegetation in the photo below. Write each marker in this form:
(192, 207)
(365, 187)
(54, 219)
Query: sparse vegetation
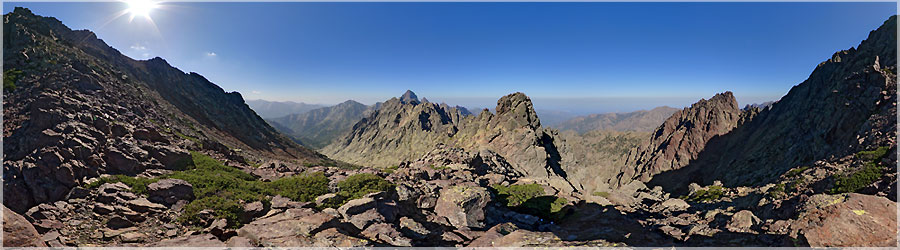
(514, 195)
(709, 194)
(359, 185)
(439, 167)
(871, 171)
(601, 194)
(776, 192)
(391, 169)
(10, 77)
(796, 171)
(531, 199)
(301, 188)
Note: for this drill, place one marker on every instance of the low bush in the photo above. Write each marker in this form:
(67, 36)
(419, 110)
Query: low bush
(709, 194)
(358, 185)
(531, 199)
(300, 188)
(871, 171)
(10, 77)
(858, 180)
(514, 195)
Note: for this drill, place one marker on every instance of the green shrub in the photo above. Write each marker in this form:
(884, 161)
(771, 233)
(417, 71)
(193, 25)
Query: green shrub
(300, 188)
(530, 199)
(222, 207)
(874, 155)
(710, 194)
(871, 172)
(857, 180)
(359, 185)
(138, 185)
(10, 77)
(776, 192)
(514, 195)
(796, 171)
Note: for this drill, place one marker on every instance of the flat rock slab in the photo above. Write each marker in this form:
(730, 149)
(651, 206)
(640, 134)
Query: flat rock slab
(850, 220)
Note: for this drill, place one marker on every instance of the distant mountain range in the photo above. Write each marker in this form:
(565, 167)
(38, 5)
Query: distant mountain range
(273, 109)
(639, 121)
(321, 126)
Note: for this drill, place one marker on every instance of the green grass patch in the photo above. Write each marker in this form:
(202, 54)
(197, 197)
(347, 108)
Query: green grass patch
(711, 193)
(10, 77)
(186, 137)
(531, 199)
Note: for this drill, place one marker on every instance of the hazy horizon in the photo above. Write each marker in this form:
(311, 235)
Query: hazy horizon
(573, 57)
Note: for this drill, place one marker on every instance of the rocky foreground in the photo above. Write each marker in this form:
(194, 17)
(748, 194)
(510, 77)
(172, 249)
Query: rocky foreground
(102, 150)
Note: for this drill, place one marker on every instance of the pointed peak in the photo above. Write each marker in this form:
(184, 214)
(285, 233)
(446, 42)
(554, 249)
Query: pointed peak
(409, 97)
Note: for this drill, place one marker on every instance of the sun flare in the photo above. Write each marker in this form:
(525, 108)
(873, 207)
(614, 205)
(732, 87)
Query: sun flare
(140, 7)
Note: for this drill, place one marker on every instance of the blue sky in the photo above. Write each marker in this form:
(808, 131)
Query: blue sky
(577, 57)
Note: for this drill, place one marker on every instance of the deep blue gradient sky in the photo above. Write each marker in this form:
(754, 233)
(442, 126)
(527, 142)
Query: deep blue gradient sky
(577, 57)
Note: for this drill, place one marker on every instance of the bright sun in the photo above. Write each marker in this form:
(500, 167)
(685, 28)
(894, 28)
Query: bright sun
(140, 7)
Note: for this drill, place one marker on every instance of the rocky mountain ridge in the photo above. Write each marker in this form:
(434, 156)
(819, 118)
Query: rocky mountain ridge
(79, 108)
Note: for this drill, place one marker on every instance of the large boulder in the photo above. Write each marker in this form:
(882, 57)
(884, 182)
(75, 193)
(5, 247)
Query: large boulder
(847, 220)
(290, 228)
(742, 222)
(18, 232)
(170, 191)
(463, 206)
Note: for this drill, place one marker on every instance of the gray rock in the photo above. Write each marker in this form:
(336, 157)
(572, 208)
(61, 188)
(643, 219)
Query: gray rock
(463, 206)
(356, 206)
(170, 191)
(742, 222)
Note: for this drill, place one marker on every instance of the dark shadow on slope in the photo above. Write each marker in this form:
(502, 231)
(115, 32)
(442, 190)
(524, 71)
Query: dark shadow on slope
(590, 221)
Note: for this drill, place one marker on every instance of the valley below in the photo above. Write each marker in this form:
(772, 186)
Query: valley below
(101, 150)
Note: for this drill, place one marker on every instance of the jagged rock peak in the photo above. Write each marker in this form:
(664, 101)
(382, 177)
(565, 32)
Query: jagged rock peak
(518, 107)
(409, 97)
(682, 137)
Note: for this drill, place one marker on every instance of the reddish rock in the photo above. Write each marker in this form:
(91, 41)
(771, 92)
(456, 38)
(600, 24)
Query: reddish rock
(849, 220)
(18, 232)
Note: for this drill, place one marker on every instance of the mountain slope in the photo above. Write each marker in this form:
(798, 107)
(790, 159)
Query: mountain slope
(270, 109)
(639, 121)
(847, 105)
(405, 129)
(80, 109)
(319, 127)
(682, 137)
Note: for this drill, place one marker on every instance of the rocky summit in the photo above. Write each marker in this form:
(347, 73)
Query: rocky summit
(104, 150)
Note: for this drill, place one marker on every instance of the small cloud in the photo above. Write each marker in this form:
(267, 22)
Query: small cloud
(138, 46)
(145, 55)
(210, 53)
(255, 92)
